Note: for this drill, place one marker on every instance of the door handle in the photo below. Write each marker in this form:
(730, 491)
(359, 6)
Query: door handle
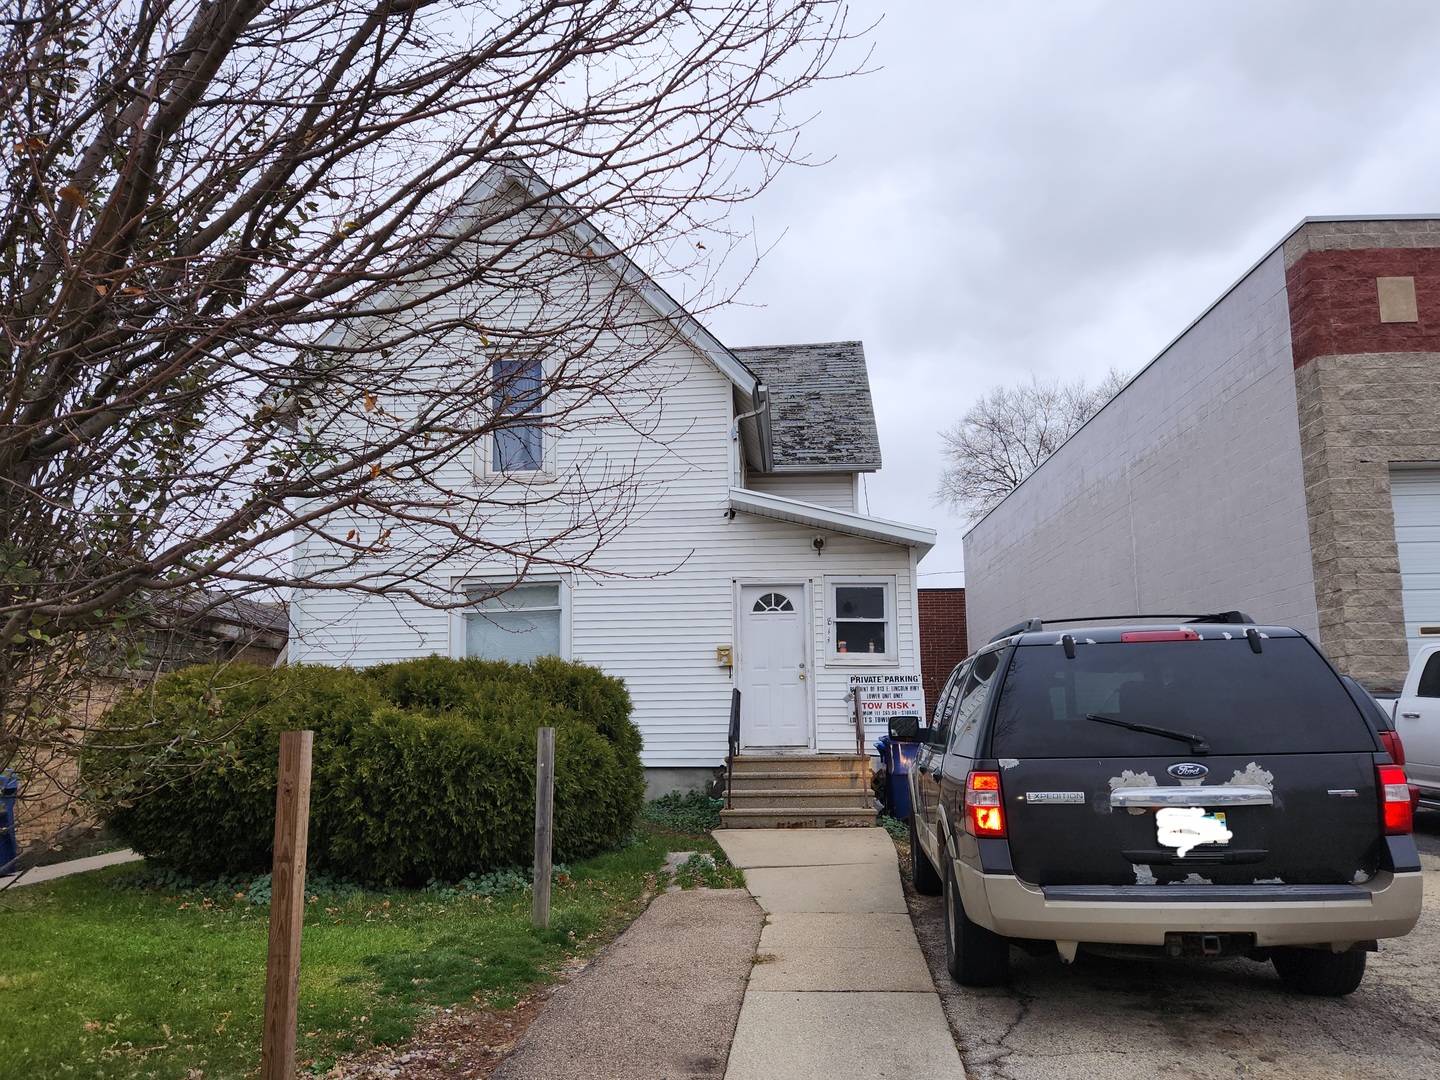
(802, 676)
(1410, 715)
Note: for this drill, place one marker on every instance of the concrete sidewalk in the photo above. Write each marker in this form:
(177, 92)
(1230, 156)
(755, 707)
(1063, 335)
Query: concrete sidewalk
(65, 869)
(659, 1004)
(840, 987)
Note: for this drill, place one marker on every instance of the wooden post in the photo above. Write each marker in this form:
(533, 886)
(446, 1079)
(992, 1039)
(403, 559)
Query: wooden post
(544, 823)
(287, 907)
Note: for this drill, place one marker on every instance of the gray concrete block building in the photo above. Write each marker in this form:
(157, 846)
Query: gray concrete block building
(1281, 456)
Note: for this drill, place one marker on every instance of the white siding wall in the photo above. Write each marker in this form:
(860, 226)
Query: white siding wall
(1184, 494)
(665, 599)
(835, 490)
(659, 596)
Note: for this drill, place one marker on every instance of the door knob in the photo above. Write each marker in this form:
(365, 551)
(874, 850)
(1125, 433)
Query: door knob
(802, 676)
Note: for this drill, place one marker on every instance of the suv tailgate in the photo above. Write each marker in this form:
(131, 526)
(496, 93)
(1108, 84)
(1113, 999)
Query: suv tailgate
(1293, 819)
(1094, 741)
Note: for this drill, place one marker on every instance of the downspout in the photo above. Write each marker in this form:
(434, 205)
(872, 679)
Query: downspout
(762, 408)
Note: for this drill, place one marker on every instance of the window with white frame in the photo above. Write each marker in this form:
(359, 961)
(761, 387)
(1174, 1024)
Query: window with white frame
(518, 444)
(519, 625)
(862, 618)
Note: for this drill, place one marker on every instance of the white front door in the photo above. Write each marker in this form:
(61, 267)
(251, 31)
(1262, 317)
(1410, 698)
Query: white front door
(774, 678)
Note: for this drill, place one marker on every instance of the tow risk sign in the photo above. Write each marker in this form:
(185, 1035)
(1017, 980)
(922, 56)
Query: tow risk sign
(883, 697)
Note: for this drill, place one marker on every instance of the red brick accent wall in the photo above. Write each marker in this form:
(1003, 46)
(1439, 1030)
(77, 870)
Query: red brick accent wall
(943, 641)
(1335, 308)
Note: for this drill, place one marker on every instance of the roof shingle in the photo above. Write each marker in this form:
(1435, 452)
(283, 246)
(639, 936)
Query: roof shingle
(821, 415)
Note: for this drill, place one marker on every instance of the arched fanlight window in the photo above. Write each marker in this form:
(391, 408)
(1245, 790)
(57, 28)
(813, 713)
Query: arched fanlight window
(774, 601)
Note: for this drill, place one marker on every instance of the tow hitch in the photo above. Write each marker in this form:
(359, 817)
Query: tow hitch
(1178, 945)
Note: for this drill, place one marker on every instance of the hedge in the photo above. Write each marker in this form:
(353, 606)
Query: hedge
(423, 769)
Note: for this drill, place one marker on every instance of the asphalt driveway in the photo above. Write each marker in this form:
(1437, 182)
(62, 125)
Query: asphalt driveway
(1188, 1019)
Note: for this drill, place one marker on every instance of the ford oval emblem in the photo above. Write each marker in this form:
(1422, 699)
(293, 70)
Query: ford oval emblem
(1188, 770)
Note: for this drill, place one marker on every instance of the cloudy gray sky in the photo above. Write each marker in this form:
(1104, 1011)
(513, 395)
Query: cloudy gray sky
(1062, 187)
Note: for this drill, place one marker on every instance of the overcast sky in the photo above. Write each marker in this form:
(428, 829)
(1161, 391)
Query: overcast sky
(1062, 187)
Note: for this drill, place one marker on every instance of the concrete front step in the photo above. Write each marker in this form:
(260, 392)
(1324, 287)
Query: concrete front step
(773, 779)
(819, 817)
(810, 791)
(788, 798)
(809, 762)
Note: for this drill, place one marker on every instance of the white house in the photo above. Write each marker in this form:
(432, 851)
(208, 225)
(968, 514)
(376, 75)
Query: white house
(742, 558)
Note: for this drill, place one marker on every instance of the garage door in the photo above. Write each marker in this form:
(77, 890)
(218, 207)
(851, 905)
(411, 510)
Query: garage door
(1415, 495)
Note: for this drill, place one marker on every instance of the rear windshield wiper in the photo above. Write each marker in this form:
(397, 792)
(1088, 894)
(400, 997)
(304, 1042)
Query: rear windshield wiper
(1197, 743)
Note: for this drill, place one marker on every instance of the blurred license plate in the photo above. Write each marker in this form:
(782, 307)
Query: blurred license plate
(1187, 828)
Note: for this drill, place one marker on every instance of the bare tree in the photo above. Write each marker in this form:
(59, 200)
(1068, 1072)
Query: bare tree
(1005, 435)
(280, 273)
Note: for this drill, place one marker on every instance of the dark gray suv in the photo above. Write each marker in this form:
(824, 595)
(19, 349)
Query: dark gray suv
(1202, 787)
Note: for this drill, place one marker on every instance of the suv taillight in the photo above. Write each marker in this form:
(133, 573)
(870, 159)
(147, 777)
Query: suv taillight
(1391, 741)
(984, 815)
(1395, 808)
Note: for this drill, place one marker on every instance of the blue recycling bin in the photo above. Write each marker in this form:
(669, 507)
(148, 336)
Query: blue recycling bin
(896, 757)
(9, 846)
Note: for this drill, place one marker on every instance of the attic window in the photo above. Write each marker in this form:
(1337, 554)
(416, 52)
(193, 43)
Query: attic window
(518, 446)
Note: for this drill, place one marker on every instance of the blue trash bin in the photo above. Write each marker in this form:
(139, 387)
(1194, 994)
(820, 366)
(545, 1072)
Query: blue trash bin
(9, 846)
(897, 756)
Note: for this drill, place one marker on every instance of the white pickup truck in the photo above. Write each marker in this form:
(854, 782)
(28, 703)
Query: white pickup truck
(1416, 713)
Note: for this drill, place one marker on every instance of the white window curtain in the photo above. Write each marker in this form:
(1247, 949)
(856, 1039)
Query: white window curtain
(518, 625)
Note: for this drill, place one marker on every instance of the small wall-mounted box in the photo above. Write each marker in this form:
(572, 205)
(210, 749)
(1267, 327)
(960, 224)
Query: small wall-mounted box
(725, 655)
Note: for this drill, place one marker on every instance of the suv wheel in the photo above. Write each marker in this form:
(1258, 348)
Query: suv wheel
(974, 956)
(922, 871)
(1319, 971)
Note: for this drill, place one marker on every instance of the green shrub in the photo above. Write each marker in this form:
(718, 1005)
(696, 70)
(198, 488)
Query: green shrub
(421, 770)
(695, 812)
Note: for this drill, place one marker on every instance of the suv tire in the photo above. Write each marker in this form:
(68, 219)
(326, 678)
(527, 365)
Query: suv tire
(1318, 971)
(922, 872)
(974, 956)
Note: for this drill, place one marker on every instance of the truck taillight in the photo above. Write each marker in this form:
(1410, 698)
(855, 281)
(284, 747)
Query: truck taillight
(1395, 808)
(984, 814)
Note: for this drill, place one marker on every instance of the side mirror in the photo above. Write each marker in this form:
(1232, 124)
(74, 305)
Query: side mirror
(904, 727)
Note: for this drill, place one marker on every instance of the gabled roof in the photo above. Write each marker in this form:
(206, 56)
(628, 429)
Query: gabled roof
(801, 408)
(821, 415)
(492, 185)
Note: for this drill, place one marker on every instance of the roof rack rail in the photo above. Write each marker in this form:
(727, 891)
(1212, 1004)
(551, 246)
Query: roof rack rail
(1026, 627)
(1224, 617)
(1032, 625)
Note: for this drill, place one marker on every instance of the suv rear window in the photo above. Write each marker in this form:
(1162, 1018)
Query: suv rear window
(1285, 699)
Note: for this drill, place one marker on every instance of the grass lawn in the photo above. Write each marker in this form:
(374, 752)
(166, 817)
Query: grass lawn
(102, 979)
